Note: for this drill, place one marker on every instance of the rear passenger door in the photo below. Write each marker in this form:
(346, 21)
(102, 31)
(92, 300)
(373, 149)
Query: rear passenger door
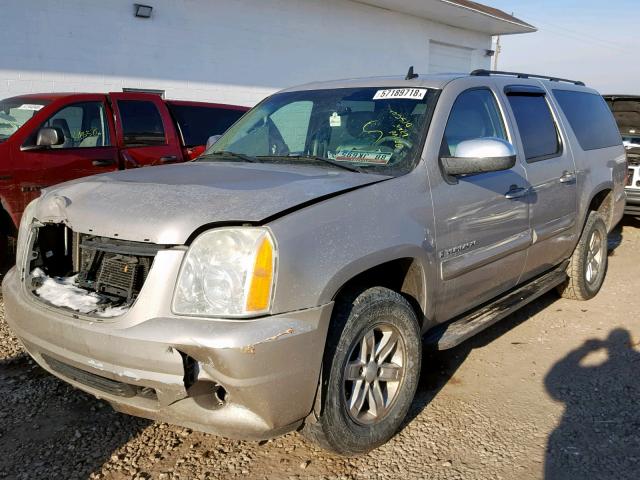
(145, 131)
(552, 176)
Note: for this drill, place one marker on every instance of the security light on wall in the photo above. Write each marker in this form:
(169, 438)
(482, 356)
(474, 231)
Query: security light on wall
(143, 11)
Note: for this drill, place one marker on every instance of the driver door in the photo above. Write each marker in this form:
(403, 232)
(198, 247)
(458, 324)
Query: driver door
(482, 220)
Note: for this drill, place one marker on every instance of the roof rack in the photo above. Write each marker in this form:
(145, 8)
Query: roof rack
(487, 73)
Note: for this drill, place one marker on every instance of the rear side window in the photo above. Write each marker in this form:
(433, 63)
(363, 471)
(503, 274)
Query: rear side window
(536, 125)
(590, 119)
(197, 123)
(141, 123)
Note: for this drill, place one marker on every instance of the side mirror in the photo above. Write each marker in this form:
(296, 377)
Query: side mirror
(212, 140)
(480, 155)
(50, 136)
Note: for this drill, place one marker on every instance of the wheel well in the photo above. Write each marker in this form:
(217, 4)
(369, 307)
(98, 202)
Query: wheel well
(602, 202)
(404, 275)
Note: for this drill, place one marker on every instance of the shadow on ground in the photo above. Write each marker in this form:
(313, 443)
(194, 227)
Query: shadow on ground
(50, 430)
(599, 434)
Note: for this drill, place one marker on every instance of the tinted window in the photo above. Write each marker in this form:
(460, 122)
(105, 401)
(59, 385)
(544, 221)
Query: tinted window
(197, 124)
(536, 125)
(141, 123)
(474, 115)
(590, 119)
(84, 125)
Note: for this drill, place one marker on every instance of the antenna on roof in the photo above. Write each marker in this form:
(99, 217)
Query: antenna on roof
(410, 74)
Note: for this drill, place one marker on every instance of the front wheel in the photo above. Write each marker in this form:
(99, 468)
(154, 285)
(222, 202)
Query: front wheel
(588, 265)
(371, 372)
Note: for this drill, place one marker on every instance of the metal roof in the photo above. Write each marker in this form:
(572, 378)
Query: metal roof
(458, 13)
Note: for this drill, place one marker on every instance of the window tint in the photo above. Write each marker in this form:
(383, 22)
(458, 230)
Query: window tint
(536, 125)
(474, 115)
(141, 123)
(292, 121)
(590, 119)
(197, 124)
(84, 125)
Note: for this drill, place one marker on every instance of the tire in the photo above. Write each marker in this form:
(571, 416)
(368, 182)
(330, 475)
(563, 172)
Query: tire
(588, 264)
(379, 396)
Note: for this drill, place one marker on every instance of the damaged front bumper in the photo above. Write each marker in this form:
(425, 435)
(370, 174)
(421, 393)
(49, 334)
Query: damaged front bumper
(247, 379)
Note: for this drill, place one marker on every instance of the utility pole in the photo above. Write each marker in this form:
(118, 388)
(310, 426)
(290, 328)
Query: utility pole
(495, 56)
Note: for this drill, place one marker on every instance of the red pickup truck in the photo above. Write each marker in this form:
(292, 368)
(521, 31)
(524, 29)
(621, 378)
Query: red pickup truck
(46, 139)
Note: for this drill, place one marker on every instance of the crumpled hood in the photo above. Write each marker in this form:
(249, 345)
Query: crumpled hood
(166, 204)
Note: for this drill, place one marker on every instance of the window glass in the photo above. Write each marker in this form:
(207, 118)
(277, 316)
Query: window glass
(474, 115)
(141, 123)
(197, 123)
(84, 125)
(292, 121)
(590, 119)
(372, 129)
(536, 125)
(15, 112)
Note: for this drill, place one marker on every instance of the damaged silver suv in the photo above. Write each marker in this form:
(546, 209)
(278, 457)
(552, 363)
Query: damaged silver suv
(291, 276)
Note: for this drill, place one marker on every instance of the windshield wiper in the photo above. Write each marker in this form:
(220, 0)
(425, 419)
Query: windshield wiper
(316, 159)
(225, 153)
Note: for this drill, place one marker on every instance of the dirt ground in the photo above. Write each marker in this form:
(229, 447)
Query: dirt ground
(550, 392)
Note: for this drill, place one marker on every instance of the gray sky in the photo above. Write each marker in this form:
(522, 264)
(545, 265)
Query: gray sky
(589, 40)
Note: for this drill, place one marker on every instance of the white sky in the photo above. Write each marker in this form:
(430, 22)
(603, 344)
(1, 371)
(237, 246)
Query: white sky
(588, 40)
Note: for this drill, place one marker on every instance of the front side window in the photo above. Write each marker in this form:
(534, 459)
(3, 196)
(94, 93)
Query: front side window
(474, 115)
(141, 123)
(377, 130)
(84, 125)
(537, 127)
(15, 112)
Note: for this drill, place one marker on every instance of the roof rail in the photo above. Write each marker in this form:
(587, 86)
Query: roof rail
(486, 73)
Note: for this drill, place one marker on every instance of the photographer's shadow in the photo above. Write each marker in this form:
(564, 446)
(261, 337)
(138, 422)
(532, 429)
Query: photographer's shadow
(599, 434)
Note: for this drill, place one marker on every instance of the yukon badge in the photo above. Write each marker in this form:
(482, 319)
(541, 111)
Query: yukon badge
(457, 249)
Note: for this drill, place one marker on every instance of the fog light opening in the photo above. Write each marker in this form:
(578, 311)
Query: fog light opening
(220, 395)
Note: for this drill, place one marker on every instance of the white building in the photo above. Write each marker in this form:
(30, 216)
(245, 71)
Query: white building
(236, 51)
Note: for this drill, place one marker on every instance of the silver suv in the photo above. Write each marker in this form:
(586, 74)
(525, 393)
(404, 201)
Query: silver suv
(292, 275)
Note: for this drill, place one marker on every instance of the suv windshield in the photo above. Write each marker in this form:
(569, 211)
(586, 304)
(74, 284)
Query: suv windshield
(376, 130)
(15, 112)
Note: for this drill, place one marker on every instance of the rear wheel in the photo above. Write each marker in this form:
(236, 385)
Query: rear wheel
(588, 265)
(371, 371)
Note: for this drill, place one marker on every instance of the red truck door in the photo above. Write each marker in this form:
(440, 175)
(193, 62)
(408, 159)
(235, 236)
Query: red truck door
(88, 146)
(145, 130)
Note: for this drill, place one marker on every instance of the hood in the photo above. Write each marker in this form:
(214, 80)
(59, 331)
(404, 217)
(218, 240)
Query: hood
(166, 204)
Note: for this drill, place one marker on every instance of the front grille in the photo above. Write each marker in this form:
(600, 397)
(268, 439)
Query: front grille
(630, 177)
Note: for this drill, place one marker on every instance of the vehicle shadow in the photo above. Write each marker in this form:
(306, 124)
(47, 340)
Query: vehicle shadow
(439, 367)
(616, 236)
(50, 430)
(599, 434)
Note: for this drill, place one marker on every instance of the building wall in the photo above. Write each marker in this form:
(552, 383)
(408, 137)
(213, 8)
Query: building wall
(234, 51)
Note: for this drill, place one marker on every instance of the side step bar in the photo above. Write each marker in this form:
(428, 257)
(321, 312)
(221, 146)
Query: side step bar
(453, 333)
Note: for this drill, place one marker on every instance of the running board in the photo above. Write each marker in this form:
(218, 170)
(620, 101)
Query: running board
(453, 333)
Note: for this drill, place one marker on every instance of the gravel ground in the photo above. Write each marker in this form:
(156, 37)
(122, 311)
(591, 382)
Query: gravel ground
(550, 392)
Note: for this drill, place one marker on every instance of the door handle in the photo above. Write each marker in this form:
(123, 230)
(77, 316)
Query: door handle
(568, 177)
(105, 162)
(170, 158)
(516, 192)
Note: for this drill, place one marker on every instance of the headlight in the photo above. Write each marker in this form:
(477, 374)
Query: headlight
(227, 272)
(23, 232)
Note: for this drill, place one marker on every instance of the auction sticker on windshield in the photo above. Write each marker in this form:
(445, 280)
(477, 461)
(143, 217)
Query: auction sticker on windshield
(359, 156)
(30, 106)
(407, 93)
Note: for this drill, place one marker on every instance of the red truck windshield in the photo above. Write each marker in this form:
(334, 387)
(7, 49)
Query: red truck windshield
(15, 112)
